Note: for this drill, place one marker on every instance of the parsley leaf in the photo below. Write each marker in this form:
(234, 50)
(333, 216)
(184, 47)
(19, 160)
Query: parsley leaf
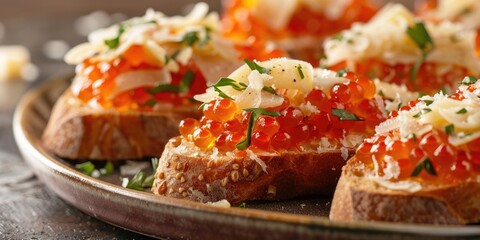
(428, 102)
(150, 102)
(300, 72)
(425, 164)
(183, 87)
(419, 34)
(136, 182)
(239, 86)
(114, 42)
(87, 168)
(345, 115)
(243, 205)
(255, 113)
(190, 38)
(450, 129)
(341, 72)
(468, 80)
(254, 66)
(422, 112)
(462, 111)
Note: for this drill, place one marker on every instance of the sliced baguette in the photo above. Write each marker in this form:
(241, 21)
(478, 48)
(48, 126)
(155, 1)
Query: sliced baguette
(185, 172)
(360, 198)
(78, 131)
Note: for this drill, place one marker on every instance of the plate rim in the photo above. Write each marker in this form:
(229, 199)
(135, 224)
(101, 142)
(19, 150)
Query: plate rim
(24, 140)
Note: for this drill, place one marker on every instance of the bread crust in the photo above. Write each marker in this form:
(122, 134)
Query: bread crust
(358, 198)
(238, 179)
(78, 131)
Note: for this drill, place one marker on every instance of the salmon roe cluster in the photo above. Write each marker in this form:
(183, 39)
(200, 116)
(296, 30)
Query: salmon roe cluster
(240, 22)
(100, 82)
(429, 157)
(224, 125)
(427, 80)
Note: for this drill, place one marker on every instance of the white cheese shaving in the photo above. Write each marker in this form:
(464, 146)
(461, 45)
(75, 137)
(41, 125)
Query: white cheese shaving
(255, 158)
(224, 203)
(385, 38)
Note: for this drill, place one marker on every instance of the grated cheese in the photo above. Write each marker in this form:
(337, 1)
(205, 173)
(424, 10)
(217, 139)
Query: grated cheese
(385, 38)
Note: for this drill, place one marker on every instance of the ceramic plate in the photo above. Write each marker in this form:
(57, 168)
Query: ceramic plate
(152, 215)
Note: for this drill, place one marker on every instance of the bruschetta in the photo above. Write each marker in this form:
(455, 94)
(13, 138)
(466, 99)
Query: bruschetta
(422, 166)
(399, 48)
(135, 81)
(296, 26)
(270, 130)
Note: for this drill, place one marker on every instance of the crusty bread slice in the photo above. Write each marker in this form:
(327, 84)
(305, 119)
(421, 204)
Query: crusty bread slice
(360, 198)
(78, 131)
(185, 172)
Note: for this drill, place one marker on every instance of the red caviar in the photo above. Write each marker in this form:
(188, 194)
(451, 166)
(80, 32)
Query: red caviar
(293, 128)
(426, 81)
(451, 164)
(240, 22)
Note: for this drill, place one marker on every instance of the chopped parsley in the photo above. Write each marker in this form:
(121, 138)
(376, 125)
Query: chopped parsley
(450, 129)
(428, 102)
(183, 87)
(422, 112)
(381, 94)
(239, 86)
(243, 205)
(190, 38)
(468, 80)
(114, 42)
(341, 72)
(255, 113)
(419, 34)
(88, 168)
(462, 111)
(300, 72)
(425, 164)
(150, 103)
(414, 137)
(254, 66)
(141, 181)
(345, 115)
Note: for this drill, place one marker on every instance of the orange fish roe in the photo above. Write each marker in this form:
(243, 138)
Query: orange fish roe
(240, 23)
(100, 77)
(427, 80)
(430, 157)
(348, 108)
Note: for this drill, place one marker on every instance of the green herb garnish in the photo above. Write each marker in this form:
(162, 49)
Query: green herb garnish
(239, 86)
(468, 80)
(422, 112)
(140, 181)
(345, 115)
(184, 86)
(136, 182)
(450, 129)
(341, 72)
(87, 168)
(462, 111)
(425, 164)
(150, 102)
(255, 113)
(254, 66)
(243, 205)
(419, 34)
(300, 72)
(381, 94)
(114, 42)
(190, 38)
(428, 102)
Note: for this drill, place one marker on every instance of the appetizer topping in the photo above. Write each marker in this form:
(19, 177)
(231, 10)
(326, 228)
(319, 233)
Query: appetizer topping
(239, 114)
(397, 48)
(145, 63)
(432, 140)
(289, 17)
(465, 12)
